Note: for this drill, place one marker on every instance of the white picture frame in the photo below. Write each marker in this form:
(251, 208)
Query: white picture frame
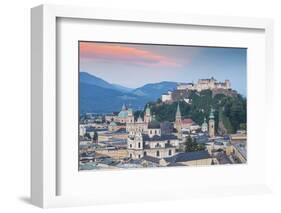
(44, 149)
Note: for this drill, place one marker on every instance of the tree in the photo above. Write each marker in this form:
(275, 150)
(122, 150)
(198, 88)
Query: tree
(230, 111)
(87, 135)
(192, 146)
(243, 126)
(95, 137)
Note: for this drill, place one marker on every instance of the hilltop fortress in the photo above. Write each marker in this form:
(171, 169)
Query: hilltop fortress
(182, 89)
(205, 84)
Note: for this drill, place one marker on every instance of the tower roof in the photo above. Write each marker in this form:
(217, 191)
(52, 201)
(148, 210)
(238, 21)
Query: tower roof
(212, 114)
(178, 113)
(154, 124)
(123, 107)
(147, 110)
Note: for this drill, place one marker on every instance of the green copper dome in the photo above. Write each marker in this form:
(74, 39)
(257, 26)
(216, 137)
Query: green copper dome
(112, 124)
(154, 124)
(123, 114)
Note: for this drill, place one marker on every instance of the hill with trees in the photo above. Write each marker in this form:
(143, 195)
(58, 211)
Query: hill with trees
(230, 111)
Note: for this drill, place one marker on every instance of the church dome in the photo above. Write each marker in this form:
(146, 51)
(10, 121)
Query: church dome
(112, 124)
(123, 114)
(153, 125)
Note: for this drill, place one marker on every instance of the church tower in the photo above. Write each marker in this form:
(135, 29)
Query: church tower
(178, 119)
(130, 117)
(212, 124)
(135, 145)
(147, 115)
(204, 126)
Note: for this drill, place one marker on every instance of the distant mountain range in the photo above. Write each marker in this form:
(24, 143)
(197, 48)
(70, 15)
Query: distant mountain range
(100, 96)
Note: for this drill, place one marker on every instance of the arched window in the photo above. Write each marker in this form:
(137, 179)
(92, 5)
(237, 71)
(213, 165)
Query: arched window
(130, 155)
(170, 152)
(130, 145)
(157, 145)
(139, 145)
(155, 131)
(150, 131)
(144, 153)
(157, 153)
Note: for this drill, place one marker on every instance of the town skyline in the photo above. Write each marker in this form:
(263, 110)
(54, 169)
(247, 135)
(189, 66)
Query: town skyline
(156, 63)
(193, 113)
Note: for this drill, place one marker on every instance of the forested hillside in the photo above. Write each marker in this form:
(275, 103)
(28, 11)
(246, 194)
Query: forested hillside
(230, 112)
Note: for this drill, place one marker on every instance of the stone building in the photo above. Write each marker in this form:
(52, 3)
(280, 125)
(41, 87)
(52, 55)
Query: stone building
(152, 143)
(139, 125)
(205, 84)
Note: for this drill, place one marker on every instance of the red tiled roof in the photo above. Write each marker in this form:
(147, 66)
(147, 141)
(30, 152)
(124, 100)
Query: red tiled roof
(187, 121)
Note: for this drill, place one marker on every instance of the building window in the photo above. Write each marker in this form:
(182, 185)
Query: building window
(144, 153)
(155, 131)
(130, 155)
(150, 131)
(130, 145)
(170, 152)
(139, 145)
(157, 145)
(157, 153)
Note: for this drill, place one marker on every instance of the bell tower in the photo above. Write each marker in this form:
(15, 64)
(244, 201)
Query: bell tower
(178, 119)
(212, 124)
(147, 115)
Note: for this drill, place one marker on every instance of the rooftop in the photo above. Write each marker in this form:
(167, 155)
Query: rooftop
(158, 138)
(188, 156)
(154, 125)
(151, 159)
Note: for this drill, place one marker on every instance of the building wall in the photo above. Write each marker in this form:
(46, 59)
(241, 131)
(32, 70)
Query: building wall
(152, 132)
(163, 152)
(136, 127)
(166, 97)
(115, 154)
(201, 162)
(211, 128)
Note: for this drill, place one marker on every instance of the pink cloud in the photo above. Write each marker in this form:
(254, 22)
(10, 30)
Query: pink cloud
(124, 54)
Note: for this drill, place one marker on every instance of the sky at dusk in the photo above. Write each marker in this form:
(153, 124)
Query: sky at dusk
(133, 65)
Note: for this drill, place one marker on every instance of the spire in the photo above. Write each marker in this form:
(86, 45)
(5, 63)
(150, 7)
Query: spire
(178, 113)
(147, 110)
(123, 107)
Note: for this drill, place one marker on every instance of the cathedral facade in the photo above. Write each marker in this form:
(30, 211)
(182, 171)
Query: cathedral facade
(151, 143)
(139, 125)
(146, 139)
